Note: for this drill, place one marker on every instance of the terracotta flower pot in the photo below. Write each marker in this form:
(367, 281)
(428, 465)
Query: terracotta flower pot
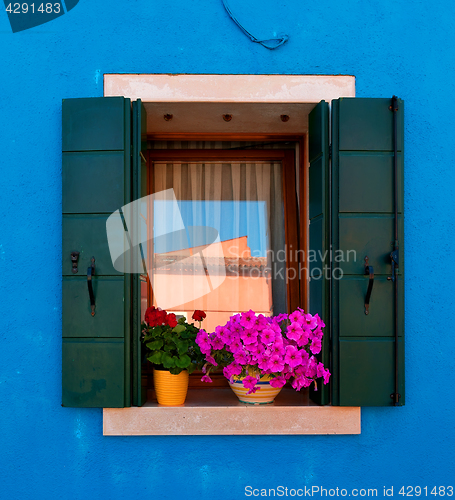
(170, 389)
(265, 394)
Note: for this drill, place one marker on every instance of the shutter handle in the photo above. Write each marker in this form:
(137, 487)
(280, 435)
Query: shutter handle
(368, 270)
(90, 273)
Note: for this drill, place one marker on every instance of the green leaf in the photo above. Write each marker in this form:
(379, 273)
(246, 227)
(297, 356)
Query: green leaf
(167, 360)
(155, 357)
(169, 347)
(179, 329)
(182, 347)
(155, 345)
(183, 362)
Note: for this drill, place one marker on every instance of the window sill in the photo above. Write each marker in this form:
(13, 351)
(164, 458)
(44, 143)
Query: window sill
(218, 412)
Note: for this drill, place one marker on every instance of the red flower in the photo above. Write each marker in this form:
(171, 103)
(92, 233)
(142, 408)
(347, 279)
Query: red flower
(154, 316)
(171, 320)
(161, 317)
(150, 315)
(199, 315)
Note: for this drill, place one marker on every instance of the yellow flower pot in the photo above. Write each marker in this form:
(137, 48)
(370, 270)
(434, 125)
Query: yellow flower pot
(265, 394)
(170, 389)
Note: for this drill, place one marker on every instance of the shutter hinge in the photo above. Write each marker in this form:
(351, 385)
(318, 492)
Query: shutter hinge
(330, 151)
(394, 258)
(394, 105)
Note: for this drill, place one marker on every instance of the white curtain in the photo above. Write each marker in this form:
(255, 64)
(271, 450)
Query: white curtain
(229, 233)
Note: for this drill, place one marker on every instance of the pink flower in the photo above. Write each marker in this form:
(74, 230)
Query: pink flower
(267, 336)
(263, 362)
(316, 333)
(293, 356)
(227, 372)
(278, 381)
(206, 378)
(250, 382)
(222, 332)
(276, 328)
(257, 351)
(316, 346)
(260, 322)
(201, 334)
(228, 337)
(235, 368)
(303, 339)
(296, 317)
(249, 336)
(311, 369)
(322, 372)
(235, 346)
(217, 344)
(251, 347)
(203, 341)
(236, 329)
(248, 319)
(310, 321)
(276, 364)
(294, 331)
(258, 342)
(235, 320)
(241, 358)
(319, 321)
(277, 348)
(211, 360)
(230, 370)
(300, 382)
(280, 318)
(305, 359)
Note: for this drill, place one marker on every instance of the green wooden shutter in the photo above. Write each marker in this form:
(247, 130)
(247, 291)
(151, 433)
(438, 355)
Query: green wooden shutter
(363, 346)
(139, 191)
(96, 175)
(319, 215)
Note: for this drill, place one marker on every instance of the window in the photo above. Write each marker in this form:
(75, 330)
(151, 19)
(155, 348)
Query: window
(225, 250)
(231, 203)
(99, 366)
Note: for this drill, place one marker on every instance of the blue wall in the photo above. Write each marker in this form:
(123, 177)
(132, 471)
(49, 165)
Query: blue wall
(404, 48)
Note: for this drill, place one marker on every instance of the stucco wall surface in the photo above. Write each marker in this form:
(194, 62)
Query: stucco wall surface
(404, 48)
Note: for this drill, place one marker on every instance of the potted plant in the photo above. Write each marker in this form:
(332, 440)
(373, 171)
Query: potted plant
(260, 354)
(172, 349)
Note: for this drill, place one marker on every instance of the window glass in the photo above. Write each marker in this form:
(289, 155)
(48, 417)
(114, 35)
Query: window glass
(216, 239)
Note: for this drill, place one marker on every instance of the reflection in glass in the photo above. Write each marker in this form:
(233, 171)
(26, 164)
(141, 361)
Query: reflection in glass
(223, 250)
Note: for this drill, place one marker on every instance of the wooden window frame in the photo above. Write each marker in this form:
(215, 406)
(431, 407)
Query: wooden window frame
(291, 217)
